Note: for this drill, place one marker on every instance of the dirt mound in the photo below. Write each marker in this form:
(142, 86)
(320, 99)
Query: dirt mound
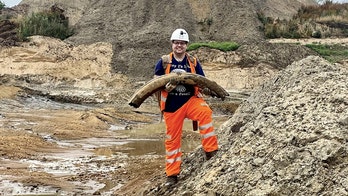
(63, 72)
(288, 138)
(141, 36)
(139, 31)
(9, 25)
(8, 33)
(275, 55)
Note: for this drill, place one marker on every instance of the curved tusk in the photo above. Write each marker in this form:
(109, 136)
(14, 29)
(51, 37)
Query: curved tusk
(158, 83)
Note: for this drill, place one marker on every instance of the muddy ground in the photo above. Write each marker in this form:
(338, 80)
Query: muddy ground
(56, 148)
(53, 148)
(49, 145)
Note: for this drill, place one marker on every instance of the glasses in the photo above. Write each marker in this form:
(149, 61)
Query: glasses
(179, 43)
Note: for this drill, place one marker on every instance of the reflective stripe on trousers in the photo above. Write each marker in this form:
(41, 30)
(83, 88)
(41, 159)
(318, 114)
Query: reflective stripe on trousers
(195, 109)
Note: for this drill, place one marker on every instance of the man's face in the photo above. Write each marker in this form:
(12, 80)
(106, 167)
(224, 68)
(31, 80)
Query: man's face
(179, 46)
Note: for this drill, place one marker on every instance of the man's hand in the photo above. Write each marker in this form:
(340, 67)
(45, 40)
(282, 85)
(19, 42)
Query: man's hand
(207, 91)
(170, 86)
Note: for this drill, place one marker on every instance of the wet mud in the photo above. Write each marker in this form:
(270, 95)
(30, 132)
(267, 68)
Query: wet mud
(52, 148)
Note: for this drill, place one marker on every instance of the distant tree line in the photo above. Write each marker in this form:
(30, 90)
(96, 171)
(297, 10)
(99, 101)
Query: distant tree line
(316, 21)
(2, 5)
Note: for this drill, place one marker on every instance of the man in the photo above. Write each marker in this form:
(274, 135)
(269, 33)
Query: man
(180, 101)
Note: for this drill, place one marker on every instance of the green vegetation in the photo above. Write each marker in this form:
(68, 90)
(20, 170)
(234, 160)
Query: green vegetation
(2, 5)
(332, 53)
(52, 24)
(320, 21)
(328, 19)
(223, 46)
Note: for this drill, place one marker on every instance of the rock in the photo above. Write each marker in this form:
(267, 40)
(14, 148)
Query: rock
(8, 33)
(291, 137)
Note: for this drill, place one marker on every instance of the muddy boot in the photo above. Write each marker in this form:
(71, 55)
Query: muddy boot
(209, 155)
(171, 180)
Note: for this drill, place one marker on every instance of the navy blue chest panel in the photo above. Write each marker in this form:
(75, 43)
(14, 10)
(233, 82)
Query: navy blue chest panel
(182, 65)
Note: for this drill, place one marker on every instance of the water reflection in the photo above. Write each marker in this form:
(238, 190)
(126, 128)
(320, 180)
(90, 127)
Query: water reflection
(146, 146)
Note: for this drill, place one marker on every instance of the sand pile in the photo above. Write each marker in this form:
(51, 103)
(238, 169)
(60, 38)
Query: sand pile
(289, 138)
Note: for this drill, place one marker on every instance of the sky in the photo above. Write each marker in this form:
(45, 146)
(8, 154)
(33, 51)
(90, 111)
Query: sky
(11, 3)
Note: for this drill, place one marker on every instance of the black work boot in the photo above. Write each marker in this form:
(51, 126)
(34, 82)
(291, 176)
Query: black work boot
(171, 180)
(209, 155)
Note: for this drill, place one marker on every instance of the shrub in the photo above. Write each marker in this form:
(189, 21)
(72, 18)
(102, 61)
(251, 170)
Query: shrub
(2, 5)
(316, 21)
(316, 34)
(50, 24)
(223, 46)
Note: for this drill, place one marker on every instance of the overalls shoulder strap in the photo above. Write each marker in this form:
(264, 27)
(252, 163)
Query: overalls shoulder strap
(167, 60)
(192, 62)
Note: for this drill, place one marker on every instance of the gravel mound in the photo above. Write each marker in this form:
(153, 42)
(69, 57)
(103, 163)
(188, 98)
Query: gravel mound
(289, 138)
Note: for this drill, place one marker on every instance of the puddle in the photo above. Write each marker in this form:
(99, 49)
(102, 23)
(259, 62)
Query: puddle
(79, 161)
(117, 127)
(136, 147)
(8, 187)
(83, 159)
(37, 102)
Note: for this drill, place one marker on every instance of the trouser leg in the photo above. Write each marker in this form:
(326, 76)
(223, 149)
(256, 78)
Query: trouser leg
(198, 109)
(174, 124)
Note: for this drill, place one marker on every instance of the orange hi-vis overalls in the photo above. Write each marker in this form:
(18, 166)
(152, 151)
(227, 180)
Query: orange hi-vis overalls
(195, 109)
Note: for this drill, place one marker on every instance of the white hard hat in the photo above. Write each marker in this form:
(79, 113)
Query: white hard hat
(180, 34)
